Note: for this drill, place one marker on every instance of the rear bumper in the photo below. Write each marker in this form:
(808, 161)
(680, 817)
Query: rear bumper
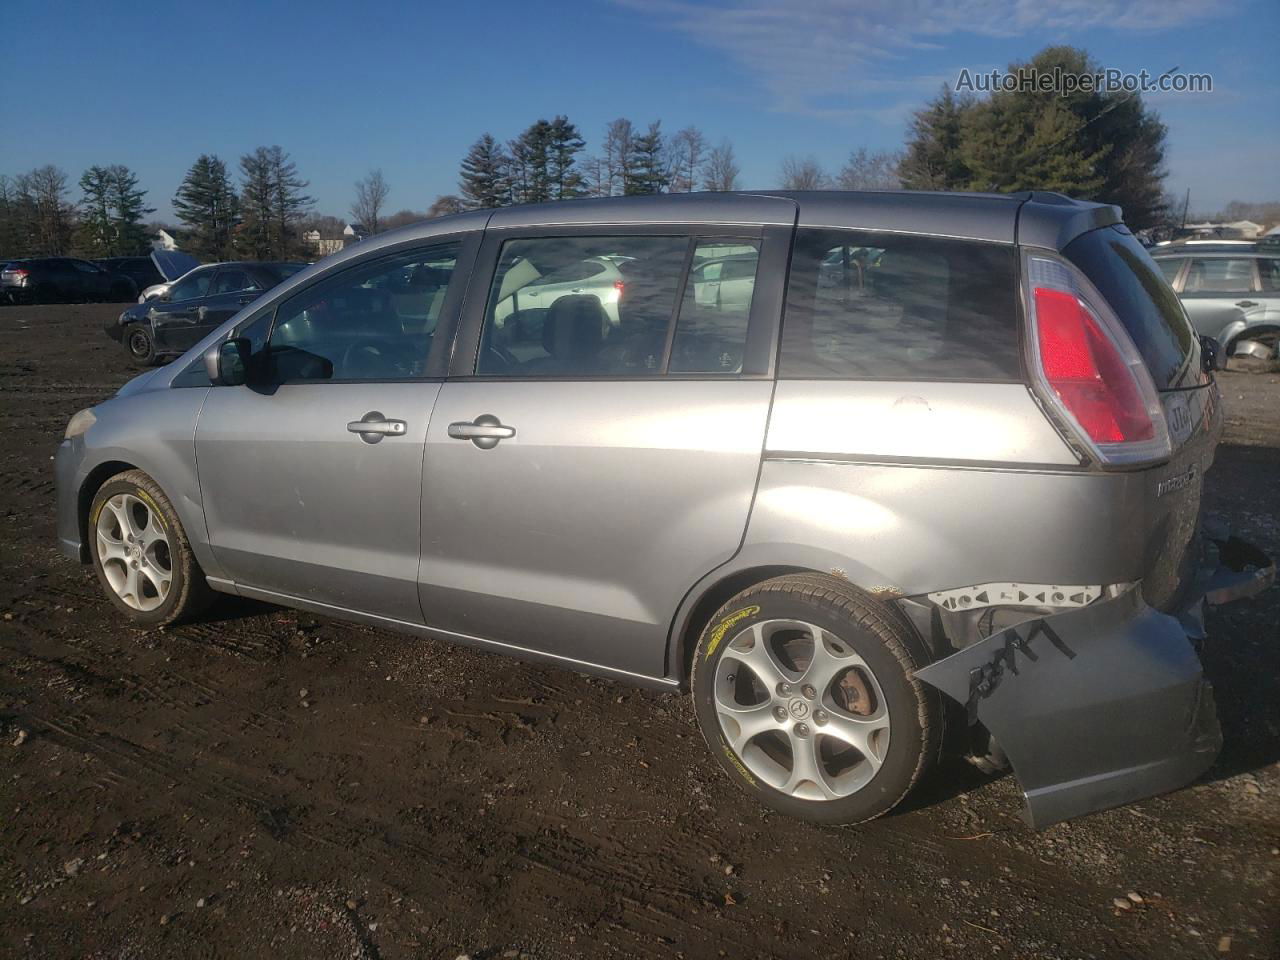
(1104, 704)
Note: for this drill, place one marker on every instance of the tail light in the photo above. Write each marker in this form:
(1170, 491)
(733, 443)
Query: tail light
(18, 274)
(1090, 370)
(619, 285)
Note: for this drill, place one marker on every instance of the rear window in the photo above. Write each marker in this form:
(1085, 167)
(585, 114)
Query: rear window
(1133, 285)
(891, 307)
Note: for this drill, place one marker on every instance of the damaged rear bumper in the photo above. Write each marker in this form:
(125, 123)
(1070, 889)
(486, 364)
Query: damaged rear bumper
(1103, 704)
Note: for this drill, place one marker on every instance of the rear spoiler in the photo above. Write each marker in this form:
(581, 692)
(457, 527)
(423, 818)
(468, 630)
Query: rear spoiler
(1052, 220)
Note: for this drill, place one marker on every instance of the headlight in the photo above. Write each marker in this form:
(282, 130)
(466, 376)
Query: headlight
(81, 422)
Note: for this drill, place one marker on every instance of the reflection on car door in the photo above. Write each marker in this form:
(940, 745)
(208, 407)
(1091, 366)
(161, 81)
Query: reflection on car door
(568, 515)
(312, 483)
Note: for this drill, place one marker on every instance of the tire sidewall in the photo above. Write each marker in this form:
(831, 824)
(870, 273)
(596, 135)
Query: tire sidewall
(146, 357)
(177, 589)
(906, 733)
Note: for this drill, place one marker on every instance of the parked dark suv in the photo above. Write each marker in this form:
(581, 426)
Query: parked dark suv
(62, 280)
(840, 459)
(197, 303)
(141, 270)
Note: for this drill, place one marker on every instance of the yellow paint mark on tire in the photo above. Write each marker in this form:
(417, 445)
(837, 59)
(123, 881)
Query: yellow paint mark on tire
(723, 627)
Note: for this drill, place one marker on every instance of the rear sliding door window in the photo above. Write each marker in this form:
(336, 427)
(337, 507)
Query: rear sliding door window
(896, 307)
(1132, 284)
(618, 306)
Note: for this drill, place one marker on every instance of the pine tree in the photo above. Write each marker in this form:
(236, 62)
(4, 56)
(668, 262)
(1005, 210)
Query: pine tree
(529, 164)
(647, 170)
(289, 203)
(127, 210)
(484, 181)
(564, 143)
(934, 158)
(257, 205)
(272, 203)
(95, 236)
(207, 204)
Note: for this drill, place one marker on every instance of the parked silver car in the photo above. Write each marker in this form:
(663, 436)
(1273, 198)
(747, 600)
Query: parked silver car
(950, 447)
(1230, 289)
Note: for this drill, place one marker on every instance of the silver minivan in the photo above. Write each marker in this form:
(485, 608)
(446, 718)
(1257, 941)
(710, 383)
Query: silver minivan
(937, 460)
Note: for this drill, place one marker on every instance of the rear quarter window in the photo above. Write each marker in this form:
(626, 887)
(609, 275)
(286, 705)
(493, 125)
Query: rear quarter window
(896, 307)
(1137, 291)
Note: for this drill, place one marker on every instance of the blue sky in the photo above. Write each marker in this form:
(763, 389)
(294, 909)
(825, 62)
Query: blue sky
(346, 87)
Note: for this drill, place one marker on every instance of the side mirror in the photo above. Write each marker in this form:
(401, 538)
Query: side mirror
(227, 363)
(1210, 354)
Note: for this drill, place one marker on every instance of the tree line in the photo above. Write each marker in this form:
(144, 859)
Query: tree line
(1092, 145)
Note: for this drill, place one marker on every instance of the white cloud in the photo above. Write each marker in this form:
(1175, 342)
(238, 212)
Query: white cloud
(808, 53)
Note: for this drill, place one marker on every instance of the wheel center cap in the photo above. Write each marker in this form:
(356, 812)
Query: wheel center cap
(137, 552)
(798, 709)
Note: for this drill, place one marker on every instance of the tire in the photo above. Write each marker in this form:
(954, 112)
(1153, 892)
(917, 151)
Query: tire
(132, 572)
(140, 344)
(864, 686)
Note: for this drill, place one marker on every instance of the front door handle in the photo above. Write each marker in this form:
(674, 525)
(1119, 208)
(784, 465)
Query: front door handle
(484, 431)
(1246, 304)
(373, 426)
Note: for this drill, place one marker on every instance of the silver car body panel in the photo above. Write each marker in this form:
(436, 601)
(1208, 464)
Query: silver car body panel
(300, 505)
(937, 421)
(581, 534)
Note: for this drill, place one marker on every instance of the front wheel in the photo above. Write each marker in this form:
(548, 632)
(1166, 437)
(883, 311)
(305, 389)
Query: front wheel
(804, 690)
(142, 347)
(141, 554)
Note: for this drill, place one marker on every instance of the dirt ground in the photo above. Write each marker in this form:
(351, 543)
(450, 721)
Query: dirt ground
(268, 783)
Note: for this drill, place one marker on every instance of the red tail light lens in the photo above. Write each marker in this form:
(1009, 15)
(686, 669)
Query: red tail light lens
(619, 285)
(1086, 370)
(1089, 369)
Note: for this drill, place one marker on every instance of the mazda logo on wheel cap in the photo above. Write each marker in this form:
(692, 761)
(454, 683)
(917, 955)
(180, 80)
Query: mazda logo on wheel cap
(798, 709)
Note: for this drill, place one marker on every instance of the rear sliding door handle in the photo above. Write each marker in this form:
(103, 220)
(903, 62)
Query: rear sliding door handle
(373, 426)
(484, 431)
(1246, 304)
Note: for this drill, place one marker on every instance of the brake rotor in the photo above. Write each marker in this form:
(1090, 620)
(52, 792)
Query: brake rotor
(854, 693)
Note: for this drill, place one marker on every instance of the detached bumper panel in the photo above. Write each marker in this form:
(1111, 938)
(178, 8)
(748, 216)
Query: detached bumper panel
(1094, 707)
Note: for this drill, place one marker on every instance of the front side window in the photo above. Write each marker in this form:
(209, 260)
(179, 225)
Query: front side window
(374, 321)
(582, 306)
(191, 287)
(1219, 275)
(892, 306)
(232, 281)
(85, 267)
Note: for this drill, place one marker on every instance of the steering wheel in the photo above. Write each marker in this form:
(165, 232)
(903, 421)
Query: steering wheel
(369, 359)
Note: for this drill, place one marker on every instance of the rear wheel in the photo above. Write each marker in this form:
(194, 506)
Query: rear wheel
(1268, 337)
(141, 554)
(142, 348)
(803, 688)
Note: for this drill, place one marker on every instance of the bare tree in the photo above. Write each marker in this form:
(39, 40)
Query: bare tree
(688, 153)
(618, 137)
(444, 205)
(802, 173)
(371, 195)
(865, 170)
(721, 170)
(44, 191)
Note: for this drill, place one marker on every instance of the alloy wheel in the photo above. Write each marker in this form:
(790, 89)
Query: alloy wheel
(133, 549)
(801, 709)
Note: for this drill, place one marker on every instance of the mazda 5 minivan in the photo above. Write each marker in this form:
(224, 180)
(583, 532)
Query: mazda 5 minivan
(939, 460)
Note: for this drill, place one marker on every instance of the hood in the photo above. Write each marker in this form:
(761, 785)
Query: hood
(139, 383)
(173, 263)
